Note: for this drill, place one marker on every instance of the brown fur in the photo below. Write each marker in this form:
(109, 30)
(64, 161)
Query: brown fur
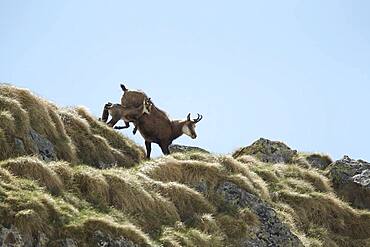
(132, 98)
(158, 128)
(117, 112)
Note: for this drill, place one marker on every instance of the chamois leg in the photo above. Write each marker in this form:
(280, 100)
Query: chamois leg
(148, 146)
(135, 125)
(105, 115)
(127, 124)
(135, 130)
(112, 122)
(165, 149)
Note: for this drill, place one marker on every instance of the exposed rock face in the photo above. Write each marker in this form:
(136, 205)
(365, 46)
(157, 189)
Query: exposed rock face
(43, 145)
(268, 151)
(272, 232)
(351, 180)
(19, 146)
(319, 161)
(105, 240)
(11, 237)
(63, 243)
(174, 148)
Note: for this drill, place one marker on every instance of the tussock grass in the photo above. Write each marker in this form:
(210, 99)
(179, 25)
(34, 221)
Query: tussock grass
(208, 224)
(150, 209)
(253, 182)
(33, 168)
(182, 236)
(169, 169)
(42, 118)
(76, 136)
(329, 212)
(91, 148)
(242, 224)
(92, 185)
(133, 152)
(200, 156)
(84, 228)
(187, 201)
(5, 175)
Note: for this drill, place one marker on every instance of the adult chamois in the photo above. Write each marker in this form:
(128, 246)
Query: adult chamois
(158, 128)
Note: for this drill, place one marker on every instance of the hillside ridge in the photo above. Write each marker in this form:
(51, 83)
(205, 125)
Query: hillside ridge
(67, 179)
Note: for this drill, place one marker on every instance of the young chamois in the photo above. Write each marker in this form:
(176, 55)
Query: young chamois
(133, 105)
(117, 112)
(158, 128)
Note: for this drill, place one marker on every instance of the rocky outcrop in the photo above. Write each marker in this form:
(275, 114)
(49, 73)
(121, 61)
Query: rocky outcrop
(272, 231)
(351, 180)
(11, 237)
(174, 148)
(268, 151)
(43, 145)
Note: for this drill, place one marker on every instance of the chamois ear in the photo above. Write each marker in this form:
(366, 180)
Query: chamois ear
(188, 117)
(123, 88)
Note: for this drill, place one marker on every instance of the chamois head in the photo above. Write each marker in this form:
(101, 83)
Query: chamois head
(190, 125)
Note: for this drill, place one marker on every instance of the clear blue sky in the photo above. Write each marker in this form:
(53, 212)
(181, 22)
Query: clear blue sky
(295, 71)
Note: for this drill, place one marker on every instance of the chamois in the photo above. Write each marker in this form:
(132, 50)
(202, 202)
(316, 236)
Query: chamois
(158, 128)
(117, 112)
(132, 98)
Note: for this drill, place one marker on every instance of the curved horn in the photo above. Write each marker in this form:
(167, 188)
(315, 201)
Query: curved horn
(188, 117)
(123, 88)
(196, 120)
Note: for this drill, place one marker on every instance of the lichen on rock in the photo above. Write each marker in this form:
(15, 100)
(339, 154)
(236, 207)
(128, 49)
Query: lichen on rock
(351, 180)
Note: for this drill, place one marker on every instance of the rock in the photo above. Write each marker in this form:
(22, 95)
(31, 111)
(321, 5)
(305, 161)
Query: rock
(19, 146)
(63, 243)
(319, 161)
(101, 239)
(272, 232)
(174, 148)
(351, 180)
(13, 238)
(10, 237)
(268, 151)
(43, 145)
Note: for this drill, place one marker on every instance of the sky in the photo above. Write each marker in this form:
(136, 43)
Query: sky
(293, 71)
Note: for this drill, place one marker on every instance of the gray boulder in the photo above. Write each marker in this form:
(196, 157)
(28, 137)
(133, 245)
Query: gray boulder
(351, 180)
(268, 151)
(43, 145)
(272, 231)
(11, 237)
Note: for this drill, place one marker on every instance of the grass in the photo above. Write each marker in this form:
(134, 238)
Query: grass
(77, 137)
(169, 201)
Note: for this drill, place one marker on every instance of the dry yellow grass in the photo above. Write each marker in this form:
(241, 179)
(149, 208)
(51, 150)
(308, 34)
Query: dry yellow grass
(33, 168)
(85, 228)
(170, 201)
(182, 236)
(74, 133)
(187, 201)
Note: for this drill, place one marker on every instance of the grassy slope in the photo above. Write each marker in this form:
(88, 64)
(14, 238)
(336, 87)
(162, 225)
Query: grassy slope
(154, 202)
